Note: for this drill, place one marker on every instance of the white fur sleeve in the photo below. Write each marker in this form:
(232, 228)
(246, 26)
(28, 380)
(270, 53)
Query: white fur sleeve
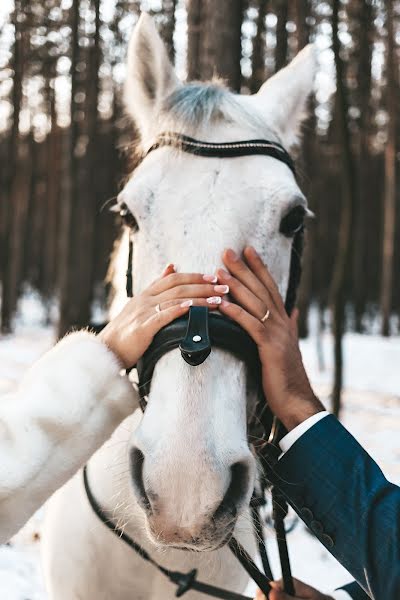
(65, 408)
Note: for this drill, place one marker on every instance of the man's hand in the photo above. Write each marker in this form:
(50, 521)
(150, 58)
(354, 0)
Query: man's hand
(256, 296)
(303, 592)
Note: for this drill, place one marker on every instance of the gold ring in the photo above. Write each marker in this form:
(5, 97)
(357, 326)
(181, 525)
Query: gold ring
(158, 308)
(265, 317)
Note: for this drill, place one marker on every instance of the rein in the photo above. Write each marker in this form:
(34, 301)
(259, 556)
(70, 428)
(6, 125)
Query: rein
(195, 336)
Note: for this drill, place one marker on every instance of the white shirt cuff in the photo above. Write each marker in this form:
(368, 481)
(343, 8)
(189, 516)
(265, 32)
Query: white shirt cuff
(287, 442)
(340, 595)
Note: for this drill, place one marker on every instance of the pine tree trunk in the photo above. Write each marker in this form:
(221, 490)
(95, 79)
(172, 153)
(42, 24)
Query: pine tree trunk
(217, 28)
(307, 161)
(390, 178)
(168, 29)
(361, 250)
(52, 190)
(194, 19)
(344, 250)
(11, 211)
(71, 312)
(281, 34)
(258, 74)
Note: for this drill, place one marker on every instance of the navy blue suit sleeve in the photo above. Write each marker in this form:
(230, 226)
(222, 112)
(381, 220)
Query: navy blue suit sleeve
(355, 591)
(343, 496)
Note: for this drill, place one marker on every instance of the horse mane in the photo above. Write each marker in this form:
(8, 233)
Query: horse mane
(193, 107)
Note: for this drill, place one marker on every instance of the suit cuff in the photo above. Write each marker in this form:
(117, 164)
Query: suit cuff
(287, 442)
(340, 595)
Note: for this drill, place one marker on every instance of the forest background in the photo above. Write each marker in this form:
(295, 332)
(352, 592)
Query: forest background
(64, 144)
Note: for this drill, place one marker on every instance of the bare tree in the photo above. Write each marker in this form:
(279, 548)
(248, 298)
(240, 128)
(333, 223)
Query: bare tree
(364, 17)
(168, 26)
(282, 10)
(71, 312)
(259, 46)
(218, 43)
(390, 176)
(14, 208)
(349, 194)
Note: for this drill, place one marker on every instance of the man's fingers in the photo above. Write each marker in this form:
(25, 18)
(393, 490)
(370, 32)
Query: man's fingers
(239, 269)
(254, 327)
(294, 322)
(257, 266)
(279, 595)
(245, 297)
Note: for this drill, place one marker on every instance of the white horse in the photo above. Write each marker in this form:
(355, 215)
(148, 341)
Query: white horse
(188, 209)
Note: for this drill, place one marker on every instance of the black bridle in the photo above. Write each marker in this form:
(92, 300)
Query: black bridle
(195, 335)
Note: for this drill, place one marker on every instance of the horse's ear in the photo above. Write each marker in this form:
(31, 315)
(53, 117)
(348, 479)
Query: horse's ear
(150, 75)
(283, 97)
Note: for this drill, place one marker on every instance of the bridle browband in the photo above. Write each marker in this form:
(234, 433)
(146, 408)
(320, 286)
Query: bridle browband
(224, 149)
(195, 335)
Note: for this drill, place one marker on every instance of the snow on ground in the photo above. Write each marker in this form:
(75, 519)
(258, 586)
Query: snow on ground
(371, 413)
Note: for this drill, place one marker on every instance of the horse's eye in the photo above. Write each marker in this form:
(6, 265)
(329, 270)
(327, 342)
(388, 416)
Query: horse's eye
(293, 221)
(128, 218)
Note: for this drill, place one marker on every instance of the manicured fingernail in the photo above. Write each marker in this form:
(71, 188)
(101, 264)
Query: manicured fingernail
(252, 250)
(231, 255)
(169, 266)
(222, 274)
(221, 289)
(187, 303)
(210, 278)
(214, 300)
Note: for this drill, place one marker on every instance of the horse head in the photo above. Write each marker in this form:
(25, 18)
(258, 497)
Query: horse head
(192, 468)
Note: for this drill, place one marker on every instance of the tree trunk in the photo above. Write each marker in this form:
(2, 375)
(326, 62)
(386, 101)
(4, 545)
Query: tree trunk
(363, 56)
(281, 34)
(301, 13)
(11, 211)
(307, 161)
(258, 74)
(217, 28)
(344, 250)
(390, 178)
(194, 19)
(168, 28)
(71, 313)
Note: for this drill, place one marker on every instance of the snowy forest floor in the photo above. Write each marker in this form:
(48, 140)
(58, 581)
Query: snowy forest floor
(371, 412)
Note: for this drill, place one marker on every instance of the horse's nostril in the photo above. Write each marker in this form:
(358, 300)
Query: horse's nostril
(136, 461)
(236, 492)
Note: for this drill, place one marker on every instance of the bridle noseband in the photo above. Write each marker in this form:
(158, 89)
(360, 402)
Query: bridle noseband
(195, 335)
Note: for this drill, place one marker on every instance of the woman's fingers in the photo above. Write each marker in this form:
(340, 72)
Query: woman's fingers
(199, 290)
(176, 279)
(169, 269)
(211, 302)
(260, 270)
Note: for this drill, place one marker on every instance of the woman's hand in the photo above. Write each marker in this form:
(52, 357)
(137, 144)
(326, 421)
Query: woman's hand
(303, 592)
(259, 309)
(169, 297)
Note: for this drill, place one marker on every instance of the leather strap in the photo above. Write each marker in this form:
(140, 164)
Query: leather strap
(223, 149)
(196, 345)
